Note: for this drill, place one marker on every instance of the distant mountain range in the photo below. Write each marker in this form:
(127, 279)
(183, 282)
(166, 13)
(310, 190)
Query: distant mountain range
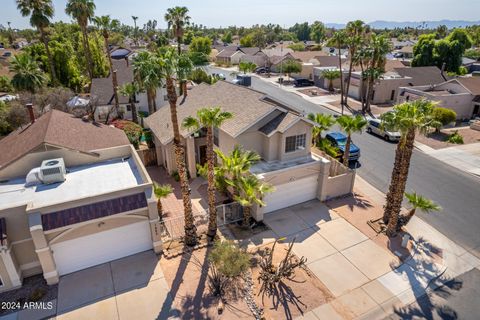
(380, 24)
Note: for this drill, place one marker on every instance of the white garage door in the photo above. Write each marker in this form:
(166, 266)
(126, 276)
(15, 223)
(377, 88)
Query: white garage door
(76, 254)
(291, 193)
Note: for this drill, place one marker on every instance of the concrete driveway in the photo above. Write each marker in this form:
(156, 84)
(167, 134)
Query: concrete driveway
(130, 288)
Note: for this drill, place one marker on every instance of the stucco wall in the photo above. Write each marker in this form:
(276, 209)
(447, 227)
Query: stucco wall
(383, 89)
(340, 185)
(300, 127)
(293, 173)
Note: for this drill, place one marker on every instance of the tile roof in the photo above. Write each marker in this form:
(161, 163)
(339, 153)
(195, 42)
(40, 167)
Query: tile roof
(279, 124)
(102, 88)
(59, 129)
(471, 83)
(422, 75)
(93, 211)
(247, 105)
(306, 56)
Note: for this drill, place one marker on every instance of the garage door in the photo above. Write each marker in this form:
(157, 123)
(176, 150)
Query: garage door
(291, 193)
(77, 254)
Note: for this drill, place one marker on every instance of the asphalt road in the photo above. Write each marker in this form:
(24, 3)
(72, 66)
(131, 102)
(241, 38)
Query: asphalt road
(457, 192)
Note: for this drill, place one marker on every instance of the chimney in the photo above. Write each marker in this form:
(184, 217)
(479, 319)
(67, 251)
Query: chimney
(29, 107)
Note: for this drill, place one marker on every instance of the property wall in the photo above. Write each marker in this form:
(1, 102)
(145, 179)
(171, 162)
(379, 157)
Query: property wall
(299, 128)
(22, 166)
(293, 173)
(339, 185)
(383, 89)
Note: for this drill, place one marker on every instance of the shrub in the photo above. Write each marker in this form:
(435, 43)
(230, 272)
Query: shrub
(131, 129)
(444, 115)
(455, 138)
(299, 46)
(229, 259)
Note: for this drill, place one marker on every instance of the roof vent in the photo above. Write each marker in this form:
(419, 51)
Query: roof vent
(52, 171)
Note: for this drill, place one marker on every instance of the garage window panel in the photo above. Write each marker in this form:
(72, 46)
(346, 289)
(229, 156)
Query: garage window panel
(294, 143)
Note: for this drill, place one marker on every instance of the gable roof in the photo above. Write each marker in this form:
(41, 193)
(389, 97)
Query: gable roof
(102, 88)
(329, 61)
(279, 124)
(247, 106)
(472, 84)
(422, 75)
(306, 56)
(59, 129)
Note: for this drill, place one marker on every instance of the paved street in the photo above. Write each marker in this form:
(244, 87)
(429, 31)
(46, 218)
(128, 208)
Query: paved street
(457, 192)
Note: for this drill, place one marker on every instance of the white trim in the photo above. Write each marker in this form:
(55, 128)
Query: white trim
(50, 274)
(30, 265)
(154, 220)
(47, 248)
(36, 227)
(21, 241)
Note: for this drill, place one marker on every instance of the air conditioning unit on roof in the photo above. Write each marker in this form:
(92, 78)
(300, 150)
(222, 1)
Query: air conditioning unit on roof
(53, 171)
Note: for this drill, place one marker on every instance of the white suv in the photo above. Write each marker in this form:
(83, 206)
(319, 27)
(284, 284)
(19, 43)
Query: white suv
(374, 126)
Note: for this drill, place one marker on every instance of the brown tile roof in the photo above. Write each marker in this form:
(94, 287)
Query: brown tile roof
(59, 129)
(247, 105)
(279, 124)
(306, 56)
(330, 61)
(422, 76)
(102, 88)
(471, 83)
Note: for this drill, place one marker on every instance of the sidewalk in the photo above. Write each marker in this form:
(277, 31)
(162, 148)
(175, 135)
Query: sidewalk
(373, 277)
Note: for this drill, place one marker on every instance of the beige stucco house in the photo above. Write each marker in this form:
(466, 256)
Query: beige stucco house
(278, 133)
(73, 194)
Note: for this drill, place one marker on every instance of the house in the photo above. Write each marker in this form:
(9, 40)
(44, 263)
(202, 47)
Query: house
(406, 52)
(102, 96)
(386, 87)
(461, 95)
(73, 194)
(278, 133)
(308, 59)
(327, 63)
(232, 55)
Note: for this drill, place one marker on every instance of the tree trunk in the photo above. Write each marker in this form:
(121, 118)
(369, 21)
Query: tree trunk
(362, 93)
(134, 110)
(350, 68)
(247, 215)
(346, 153)
(86, 47)
(51, 65)
(212, 208)
(184, 88)
(190, 229)
(341, 76)
(160, 209)
(114, 76)
(330, 85)
(179, 47)
(149, 101)
(398, 184)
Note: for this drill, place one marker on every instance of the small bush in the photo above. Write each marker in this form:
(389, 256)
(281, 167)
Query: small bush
(229, 259)
(444, 116)
(455, 138)
(131, 129)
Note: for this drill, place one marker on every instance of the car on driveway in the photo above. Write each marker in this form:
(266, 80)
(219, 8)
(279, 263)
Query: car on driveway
(303, 82)
(339, 140)
(261, 70)
(375, 127)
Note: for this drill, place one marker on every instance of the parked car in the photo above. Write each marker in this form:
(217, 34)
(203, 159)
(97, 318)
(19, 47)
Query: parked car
(374, 126)
(261, 70)
(302, 82)
(7, 54)
(339, 140)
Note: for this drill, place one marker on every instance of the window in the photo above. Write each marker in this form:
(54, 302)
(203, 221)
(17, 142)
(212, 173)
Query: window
(215, 136)
(295, 143)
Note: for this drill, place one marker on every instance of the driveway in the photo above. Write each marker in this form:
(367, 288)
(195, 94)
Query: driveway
(129, 288)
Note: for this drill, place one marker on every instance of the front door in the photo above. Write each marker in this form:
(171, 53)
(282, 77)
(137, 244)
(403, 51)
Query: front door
(203, 155)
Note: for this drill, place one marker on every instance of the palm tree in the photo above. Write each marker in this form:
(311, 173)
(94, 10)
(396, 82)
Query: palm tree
(339, 40)
(161, 191)
(355, 38)
(135, 31)
(147, 73)
(209, 118)
(83, 11)
(252, 191)
(331, 75)
(131, 90)
(27, 74)
(417, 201)
(177, 18)
(350, 125)
(169, 64)
(322, 122)
(406, 118)
(105, 24)
(40, 12)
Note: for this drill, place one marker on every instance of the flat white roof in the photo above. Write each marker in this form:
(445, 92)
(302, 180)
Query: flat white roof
(81, 182)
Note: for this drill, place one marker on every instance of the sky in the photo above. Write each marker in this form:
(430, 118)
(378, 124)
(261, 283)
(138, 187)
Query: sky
(222, 13)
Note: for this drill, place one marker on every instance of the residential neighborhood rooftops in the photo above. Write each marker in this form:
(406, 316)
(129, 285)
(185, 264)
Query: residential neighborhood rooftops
(306, 56)
(422, 75)
(248, 107)
(472, 84)
(81, 182)
(102, 88)
(59, 129)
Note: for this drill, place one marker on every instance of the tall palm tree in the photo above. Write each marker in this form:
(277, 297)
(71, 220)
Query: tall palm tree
(406, 118)
(252, 191)
(355, 38)
(331, 75)
(135, 31)
(170, 62)
(177, 18)
(380, 45)
(83, 11)
(209, 118)
(131, 90)
(322, 122)
(40, 12)
(161, 191)
(350, 125)
(339, 39)
(148, 74)
(419, 202)
(105, 24)
(27, 74)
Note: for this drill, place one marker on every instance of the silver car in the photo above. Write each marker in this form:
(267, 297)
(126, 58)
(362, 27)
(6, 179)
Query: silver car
(374, 126)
